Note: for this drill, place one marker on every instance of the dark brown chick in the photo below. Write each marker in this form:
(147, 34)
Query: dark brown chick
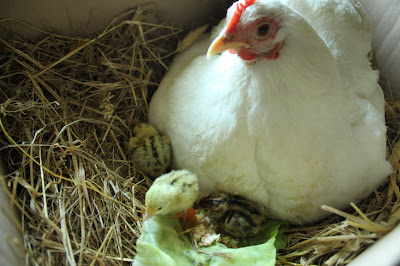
(234, 215)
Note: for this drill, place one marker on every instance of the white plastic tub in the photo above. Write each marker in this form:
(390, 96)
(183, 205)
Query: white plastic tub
(84, 17)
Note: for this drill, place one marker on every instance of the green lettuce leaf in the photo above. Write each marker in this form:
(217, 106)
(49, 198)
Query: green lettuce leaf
(161, 244)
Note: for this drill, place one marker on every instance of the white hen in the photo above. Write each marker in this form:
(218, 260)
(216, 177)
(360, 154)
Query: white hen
(291, 116)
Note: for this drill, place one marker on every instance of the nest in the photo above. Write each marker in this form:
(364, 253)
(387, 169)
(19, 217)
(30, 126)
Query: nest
(67, 110)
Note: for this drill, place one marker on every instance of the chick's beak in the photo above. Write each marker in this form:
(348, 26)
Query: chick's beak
(221, 44)
(149, 213)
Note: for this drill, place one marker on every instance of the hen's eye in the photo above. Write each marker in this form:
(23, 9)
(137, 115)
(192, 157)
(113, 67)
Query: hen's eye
(262, 31)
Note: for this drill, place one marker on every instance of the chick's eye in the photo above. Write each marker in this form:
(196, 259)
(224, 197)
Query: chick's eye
(262, 31)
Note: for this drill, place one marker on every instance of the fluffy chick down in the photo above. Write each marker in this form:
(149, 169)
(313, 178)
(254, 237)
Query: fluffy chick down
(176, 191)
(226, 218)
(151, 152)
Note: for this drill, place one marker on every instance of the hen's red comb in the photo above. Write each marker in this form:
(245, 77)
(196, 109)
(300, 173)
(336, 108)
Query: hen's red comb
(240, 7)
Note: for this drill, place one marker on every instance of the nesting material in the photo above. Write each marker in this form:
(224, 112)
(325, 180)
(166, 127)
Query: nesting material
(68, 107)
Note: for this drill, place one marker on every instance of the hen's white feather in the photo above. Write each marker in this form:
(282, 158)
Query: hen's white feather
(293, 133)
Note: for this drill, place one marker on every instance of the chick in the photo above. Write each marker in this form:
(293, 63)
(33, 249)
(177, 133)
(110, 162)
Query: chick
(151, 152)
(144, 130)
(172, 192)
(235, 215)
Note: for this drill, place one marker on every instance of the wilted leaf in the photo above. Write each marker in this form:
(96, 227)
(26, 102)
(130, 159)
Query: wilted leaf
(161, 244)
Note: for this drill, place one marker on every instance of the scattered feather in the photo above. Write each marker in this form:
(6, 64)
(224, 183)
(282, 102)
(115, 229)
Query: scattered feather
(191, 38)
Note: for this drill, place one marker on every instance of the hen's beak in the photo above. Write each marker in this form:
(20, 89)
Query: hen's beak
(149, 213)
(221, 44)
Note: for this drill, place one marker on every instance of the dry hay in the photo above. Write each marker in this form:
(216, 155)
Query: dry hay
(67, 108)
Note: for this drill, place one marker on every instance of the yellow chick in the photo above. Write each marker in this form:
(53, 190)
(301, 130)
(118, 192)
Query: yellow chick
(151, 152)
(176, 191)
